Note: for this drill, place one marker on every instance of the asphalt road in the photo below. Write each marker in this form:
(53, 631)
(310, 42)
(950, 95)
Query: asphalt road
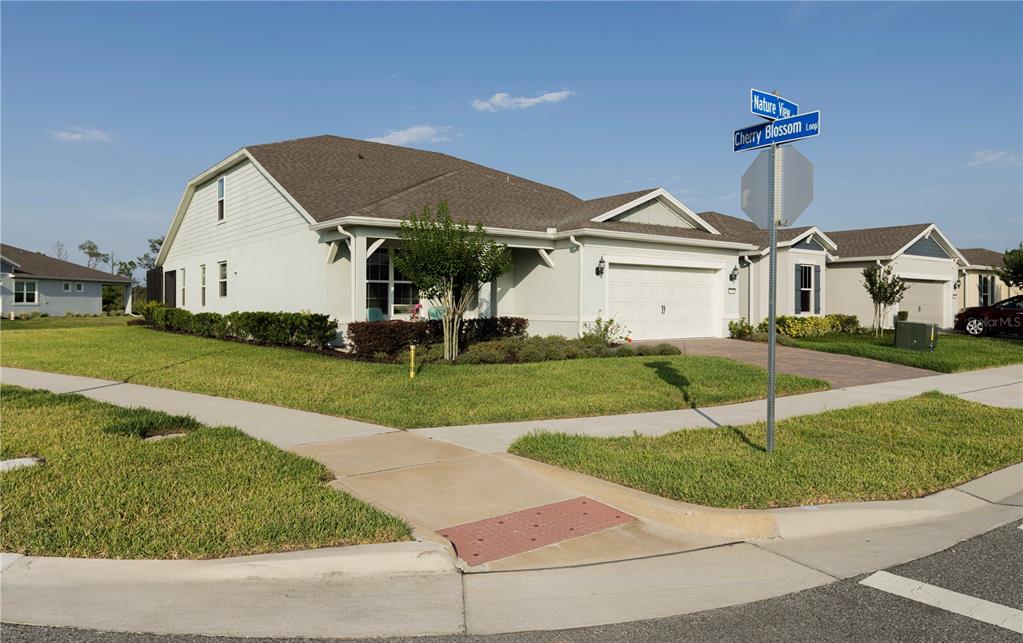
(989, 567)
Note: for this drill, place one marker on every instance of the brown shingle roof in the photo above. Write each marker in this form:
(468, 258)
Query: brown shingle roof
(875, 242)
(36, 264)
(983, 257)
(747, 231)
(333, 176)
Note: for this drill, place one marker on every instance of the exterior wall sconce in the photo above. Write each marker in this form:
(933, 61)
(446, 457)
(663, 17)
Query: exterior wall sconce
(732, 276)
(601, 266)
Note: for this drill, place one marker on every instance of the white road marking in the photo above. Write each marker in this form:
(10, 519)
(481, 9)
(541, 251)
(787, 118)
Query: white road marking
(969, 606)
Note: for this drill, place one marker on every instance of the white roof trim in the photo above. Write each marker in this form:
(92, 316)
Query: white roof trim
(665, 262)
(13, 263)
(667, 196)
(657, 238)
(829, 245)
(186, 199)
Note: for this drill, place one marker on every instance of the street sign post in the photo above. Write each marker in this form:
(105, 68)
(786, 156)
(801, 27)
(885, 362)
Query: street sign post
(783, 130)
(770, 106)
(776, 189)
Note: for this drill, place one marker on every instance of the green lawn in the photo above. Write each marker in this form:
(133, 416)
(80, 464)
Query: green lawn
(952, 353)
(63, 322)
(884, 451)
(104, 493)
(382, 393)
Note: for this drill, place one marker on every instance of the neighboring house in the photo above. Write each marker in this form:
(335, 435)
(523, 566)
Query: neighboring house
(802, 276)
(921, 254)
(979, 285)
(34, 283)
(307, 224)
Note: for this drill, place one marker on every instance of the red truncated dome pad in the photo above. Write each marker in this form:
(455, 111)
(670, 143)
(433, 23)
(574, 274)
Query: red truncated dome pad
(500, 536)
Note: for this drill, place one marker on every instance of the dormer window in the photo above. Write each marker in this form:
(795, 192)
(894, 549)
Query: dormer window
(220, 199)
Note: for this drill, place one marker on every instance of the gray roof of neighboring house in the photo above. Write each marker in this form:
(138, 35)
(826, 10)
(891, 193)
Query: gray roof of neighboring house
(983, 257)
(332, 177)
(747, 231)
(36, 264)
(875, 242)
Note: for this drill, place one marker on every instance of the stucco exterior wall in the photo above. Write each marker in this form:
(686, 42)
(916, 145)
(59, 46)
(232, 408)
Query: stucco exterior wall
(549, 297)
(758, 277)
(52, 299)
(845, 293)
(274, 261)
(968, 293)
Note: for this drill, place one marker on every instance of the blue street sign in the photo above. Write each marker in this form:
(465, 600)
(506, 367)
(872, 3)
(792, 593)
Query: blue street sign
(770, 106)
(783, 130)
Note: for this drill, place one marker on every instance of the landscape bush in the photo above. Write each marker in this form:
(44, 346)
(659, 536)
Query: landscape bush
(393, 337)
(269, 328)
(514, 350)
(792, 326)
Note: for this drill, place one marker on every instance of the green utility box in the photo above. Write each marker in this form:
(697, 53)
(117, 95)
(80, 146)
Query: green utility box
(916, 336)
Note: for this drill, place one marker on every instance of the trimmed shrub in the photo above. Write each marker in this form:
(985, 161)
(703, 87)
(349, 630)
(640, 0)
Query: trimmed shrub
(792, 326)
(484, 353)
(209, 325)
(844, 323)
(395, 336)
(390, 337)
(136, 322)
(658, 349)
(740, 329)
(178, 319)
(273, 329)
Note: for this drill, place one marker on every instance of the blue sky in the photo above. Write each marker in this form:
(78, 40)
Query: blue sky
(108, 109)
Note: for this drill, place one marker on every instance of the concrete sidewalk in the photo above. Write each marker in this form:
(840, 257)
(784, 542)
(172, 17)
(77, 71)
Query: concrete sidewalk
(1002, 386)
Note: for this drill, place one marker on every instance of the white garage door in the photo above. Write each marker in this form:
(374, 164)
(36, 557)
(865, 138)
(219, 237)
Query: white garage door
(925, 301)
(656, 302)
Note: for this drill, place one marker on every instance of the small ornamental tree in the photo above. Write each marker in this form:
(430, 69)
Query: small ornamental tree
(1012, 273)
(448, 261)
(885, 289)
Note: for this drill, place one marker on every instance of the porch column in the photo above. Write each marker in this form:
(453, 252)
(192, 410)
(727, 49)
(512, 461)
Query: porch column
(127, 299)
(359, 278)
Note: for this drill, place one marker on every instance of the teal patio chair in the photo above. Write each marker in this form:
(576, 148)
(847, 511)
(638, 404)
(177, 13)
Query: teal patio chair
(374, 314)
(436, 312)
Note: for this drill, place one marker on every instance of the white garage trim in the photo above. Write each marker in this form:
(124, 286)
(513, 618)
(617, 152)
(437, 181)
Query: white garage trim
(920, 276)
(665, 262)
(696, 314)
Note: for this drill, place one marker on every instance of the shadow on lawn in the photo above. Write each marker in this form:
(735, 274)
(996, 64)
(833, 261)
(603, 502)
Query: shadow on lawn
(746, 440)
(670, 375)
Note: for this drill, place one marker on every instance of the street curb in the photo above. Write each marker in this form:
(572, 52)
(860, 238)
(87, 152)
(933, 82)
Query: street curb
(391, 589)
(789, 522)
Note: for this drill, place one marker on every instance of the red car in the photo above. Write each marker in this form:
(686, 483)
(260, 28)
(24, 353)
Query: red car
(1004, 316)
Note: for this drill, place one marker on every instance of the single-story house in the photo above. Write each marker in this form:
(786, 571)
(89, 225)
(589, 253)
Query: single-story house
(306, 225)
(979, 285)
(31, 282)
(921, 254)
(802, 276)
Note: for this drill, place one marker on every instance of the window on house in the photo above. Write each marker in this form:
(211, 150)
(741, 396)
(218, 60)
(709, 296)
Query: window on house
(202, 285)
(222, 278)
(805, 288)
(26, 292)
(220, 199)
(67, 286)
(79, 287)
(386, 288)
(182, 286)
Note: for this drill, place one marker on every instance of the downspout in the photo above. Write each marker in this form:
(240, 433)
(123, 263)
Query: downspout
(351, 261)
(749, 286)
(579, 291)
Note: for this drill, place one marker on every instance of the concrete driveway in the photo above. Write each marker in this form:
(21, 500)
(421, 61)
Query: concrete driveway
(839, 370)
